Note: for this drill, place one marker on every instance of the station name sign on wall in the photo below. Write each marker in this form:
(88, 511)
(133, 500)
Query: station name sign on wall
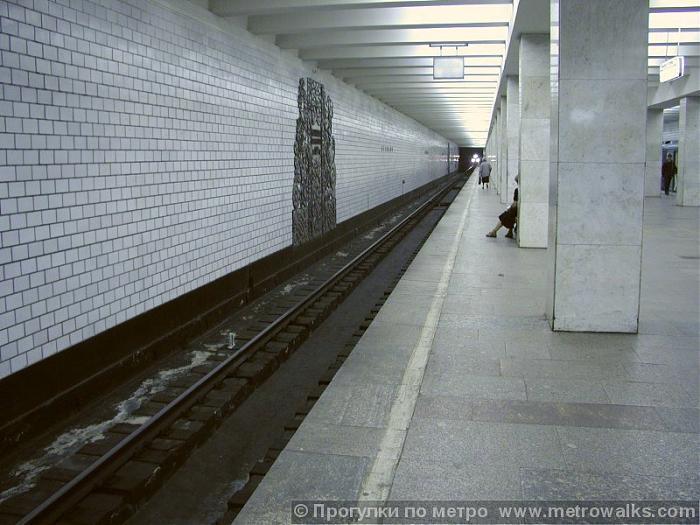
(672, 69)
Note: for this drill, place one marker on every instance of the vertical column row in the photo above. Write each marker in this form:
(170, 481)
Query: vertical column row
(495, 163)
(503, 152)
(513, 135)
(534, 99)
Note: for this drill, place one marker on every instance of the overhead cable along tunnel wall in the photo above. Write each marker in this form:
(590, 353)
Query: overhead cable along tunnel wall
(146, 152)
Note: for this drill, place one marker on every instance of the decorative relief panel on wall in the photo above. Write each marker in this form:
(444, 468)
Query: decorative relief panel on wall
(314, 210)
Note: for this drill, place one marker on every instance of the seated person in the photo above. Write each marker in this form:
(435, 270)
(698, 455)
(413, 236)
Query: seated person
(508, 218)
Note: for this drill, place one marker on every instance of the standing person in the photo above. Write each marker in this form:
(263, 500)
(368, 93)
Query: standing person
(485, 172)
(668, 171)
(508, 218)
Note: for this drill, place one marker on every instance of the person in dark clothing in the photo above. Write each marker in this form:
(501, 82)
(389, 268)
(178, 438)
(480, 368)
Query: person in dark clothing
(668, 170)
(484, 172)
(508, 218)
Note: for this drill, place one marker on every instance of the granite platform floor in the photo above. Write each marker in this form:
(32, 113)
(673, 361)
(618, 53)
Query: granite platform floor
(460, 391)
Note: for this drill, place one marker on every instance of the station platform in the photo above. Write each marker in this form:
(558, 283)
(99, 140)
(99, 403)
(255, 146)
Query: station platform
(459, 390)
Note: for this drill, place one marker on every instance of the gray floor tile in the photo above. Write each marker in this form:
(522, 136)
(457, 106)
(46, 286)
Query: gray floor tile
(407, 287)
(401, 303)
(457, 364)
(374, 366)
(680, 419)
(676, 357)
(454, 339)
(459, 281)
(439, 480)
(518, 367)
(494, 324)
(478, 443)
(662, 345)
(420, 274)
(630, 451)
(593, 354)
(476, 387)
(342, 440)
(650, 394)
(443, 407)
(383, 335)
(527, 350)
(548, 484)
(405, 312)
(510, 336)
(666, 327)
(366, 405)
(567, 414)
(566, 390)
(298, 475)
(653, 373)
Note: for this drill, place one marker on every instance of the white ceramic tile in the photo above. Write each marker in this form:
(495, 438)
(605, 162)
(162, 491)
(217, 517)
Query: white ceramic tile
(139, 169)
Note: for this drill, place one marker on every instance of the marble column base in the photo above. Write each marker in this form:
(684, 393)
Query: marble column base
(610, 277)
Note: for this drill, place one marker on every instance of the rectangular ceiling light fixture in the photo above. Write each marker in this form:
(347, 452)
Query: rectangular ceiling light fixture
(451, 68)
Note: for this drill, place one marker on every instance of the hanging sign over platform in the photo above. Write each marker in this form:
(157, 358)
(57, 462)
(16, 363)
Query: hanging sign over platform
(672, 69)
(451, 67)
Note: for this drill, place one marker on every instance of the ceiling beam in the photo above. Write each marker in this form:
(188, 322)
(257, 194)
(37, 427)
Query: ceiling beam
(483, 50)
(475, 104)
(689, 61)
(447, 113)
(671, 38)
(403, 71)
(421, 92)
(349, 63)
(661, 50)
(427, 79)
(394, 84)
(673, 20)
(385, 18)
(248, 7)
(669, 4)
(342, 37)
(435, 101)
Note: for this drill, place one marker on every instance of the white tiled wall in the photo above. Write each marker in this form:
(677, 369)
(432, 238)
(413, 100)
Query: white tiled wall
(145, 152)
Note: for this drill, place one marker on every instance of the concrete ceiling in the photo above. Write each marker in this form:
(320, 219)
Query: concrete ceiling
(383, 47)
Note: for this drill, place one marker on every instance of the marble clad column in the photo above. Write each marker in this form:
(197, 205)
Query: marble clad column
(513, 134)
(489, 141)
(497, 145)
(653, 160)
(503, 153)
(599, 112)
(533, 206)
(688, 187)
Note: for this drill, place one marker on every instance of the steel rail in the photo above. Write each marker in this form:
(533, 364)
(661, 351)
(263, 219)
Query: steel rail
(61, 501)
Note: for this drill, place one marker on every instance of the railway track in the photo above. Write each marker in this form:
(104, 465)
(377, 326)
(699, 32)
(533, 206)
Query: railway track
(133, 461)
